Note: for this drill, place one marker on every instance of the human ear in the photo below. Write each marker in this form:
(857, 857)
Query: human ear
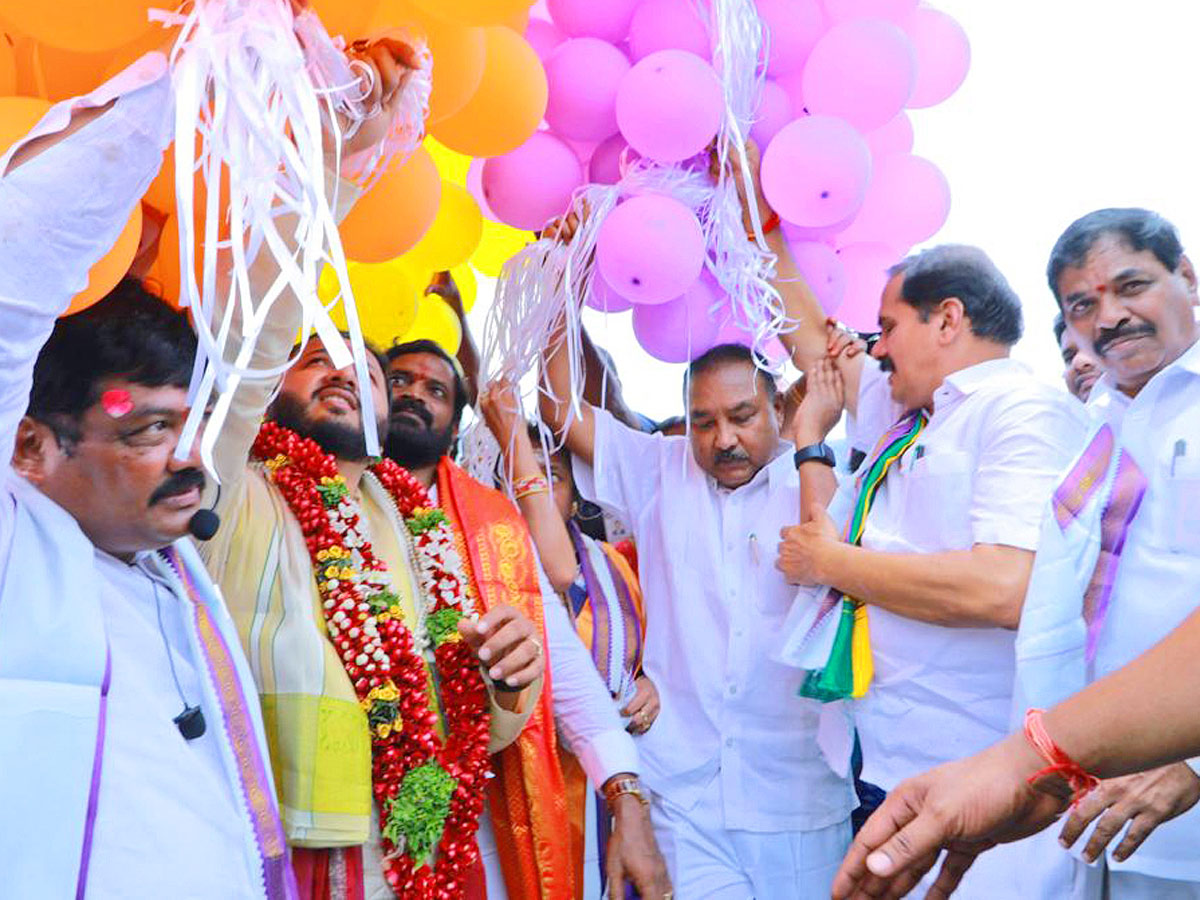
(36, 451)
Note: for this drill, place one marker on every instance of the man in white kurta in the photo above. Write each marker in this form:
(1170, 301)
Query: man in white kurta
(1128, 510)
(947, 547)
(101, 643)
(744, 801)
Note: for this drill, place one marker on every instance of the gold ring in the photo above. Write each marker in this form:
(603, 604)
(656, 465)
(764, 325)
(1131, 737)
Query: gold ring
(538, 645)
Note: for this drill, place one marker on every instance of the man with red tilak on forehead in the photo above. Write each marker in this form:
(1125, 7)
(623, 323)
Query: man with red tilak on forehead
(1119, 557)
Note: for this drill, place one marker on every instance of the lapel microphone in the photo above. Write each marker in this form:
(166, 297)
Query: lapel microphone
(203, 526)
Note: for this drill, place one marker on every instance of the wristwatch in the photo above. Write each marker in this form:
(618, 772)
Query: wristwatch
(619, 786)
(819, 452)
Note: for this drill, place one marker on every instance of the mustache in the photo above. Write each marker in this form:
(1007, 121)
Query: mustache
(1109, 336)
(886, 364)
(730, 456)
(414, 406)
(178, 483)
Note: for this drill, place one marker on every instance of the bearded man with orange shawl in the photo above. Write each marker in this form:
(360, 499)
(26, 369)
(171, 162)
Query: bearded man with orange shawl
(428, 396)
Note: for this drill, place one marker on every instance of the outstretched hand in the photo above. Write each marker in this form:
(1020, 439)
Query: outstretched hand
(963, 807)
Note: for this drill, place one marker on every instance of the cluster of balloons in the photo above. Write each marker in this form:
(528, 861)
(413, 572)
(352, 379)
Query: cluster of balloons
(635, 78)
(489, 96)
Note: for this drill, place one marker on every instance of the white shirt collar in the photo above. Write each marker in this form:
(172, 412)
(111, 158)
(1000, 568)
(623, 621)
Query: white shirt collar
(972, 378)
(1106, 395)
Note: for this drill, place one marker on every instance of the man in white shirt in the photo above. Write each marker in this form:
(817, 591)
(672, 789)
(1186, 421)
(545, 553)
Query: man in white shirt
(1118, 563)
(744, 802)
(132, 756)
(946, 547)
(428, 397)
(1081, 369)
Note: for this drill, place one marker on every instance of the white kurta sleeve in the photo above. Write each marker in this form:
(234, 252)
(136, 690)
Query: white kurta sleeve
(61, 211)
(624, 474)
(583, 710)
(1024, 450)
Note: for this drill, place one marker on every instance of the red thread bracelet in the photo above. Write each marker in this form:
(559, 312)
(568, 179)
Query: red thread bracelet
(768, 226)
(1078, 779)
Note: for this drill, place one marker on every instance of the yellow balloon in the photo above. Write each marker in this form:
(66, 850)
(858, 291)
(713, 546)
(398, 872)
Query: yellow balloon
(497, 246)
(451, 165)
(435, 322)
(454, 234)
(468, 285)
(384, 296)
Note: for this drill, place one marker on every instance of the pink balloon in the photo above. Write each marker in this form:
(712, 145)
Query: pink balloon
(475, 188)
(584, 74)
(815, 171)
(823, 272)
(605, 166)
(774, 111)
(650, 248)
(866, 268)
(863, 71)
(605, 19)
(543, 36)
(669, 105)
(604, 298)
(798, 234)
(845, 10)
(943, 55)
(793, 85)
(534, 183)
(794, 27)
(668, 25)
(680, 329)
(894, 137)
(907, 202)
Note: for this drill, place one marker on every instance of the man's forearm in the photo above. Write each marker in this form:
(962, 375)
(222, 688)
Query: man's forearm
(807, 341)
(961, 588)
(1142, 716)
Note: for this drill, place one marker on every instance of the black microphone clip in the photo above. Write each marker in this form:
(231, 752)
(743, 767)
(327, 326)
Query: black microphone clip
(190, 722)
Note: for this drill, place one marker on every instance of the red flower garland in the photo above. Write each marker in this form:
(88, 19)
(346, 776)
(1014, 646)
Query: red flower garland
(297, 466)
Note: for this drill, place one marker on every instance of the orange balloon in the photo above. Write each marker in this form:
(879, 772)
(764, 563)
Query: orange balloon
(476, 12)
(509, 104)
(56, 74)
(349, 18)
(458, 53)
(164, 274)
(17, 116)
(85, 26)
(393, 215)
(8, 66)
(517, 21)
(111, 268)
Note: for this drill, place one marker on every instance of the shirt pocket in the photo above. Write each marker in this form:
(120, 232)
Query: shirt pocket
(1179, 484)
(938, 499)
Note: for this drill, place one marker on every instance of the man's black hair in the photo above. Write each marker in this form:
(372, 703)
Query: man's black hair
(129, 334)
(723, 354)
(1060, 328)
(372, 350)
(428, 346)
(965, 272)
(1138, 229)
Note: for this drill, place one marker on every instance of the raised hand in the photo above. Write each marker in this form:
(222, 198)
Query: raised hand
(501, 407)
(390, 64)
(821, 408)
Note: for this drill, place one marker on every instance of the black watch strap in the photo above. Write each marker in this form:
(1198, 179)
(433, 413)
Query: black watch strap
(820, 452)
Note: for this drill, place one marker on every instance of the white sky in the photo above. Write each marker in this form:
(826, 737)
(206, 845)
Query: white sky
(1070, 105)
